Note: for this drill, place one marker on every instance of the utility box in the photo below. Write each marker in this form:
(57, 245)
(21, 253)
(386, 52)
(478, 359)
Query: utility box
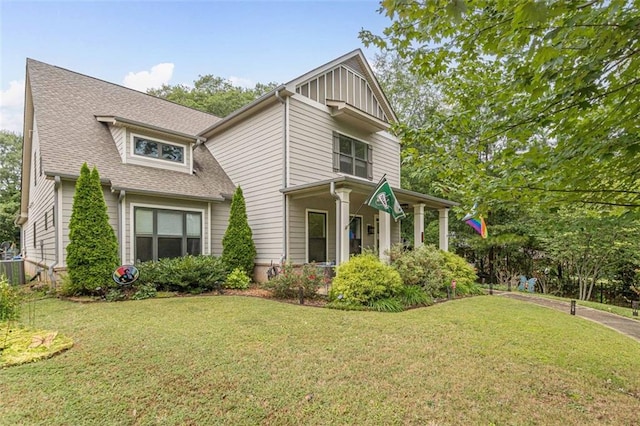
(13, 270)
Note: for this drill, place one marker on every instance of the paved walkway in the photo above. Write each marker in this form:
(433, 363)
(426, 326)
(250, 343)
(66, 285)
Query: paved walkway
(627, 326)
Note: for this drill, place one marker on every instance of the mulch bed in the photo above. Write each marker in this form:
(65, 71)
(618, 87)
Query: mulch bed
(250, 292)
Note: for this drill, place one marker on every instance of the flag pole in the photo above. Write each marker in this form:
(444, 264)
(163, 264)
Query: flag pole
(365, 201)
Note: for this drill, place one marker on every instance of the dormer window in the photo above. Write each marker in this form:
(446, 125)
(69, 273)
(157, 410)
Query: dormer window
(156, 149)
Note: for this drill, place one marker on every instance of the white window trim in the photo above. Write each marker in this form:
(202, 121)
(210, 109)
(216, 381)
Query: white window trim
(306, 233)
(133, 154)
(132, 221)
(369, 146)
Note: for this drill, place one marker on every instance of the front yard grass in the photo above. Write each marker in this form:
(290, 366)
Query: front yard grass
(240, 360)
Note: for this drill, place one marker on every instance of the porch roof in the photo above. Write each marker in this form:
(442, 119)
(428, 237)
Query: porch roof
(404, 196)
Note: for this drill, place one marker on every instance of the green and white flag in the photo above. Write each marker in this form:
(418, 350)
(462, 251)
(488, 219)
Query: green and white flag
(384, 200)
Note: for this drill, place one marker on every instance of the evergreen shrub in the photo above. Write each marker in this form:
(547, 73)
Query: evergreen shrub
(188, 274)
(238, 249)
(434, 270)
(92, 253)
(363, 280)
(423, 267)
(237, 279)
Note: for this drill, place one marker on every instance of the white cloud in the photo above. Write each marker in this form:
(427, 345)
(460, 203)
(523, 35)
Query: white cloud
(160, 74)
(241, 82)
(12, 106)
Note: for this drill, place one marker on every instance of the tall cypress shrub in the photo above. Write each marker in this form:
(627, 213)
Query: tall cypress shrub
(92, 253)
(238, 249)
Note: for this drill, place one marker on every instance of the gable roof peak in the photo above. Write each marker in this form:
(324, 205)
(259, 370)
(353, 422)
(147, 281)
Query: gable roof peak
(356, 62)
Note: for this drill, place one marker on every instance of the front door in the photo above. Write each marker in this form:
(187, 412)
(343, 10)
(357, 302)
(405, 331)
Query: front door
(316, 236)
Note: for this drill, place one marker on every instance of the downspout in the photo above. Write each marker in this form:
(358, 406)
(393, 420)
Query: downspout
(285, 172)
(332, 191)
(121, 227)
(57, 182)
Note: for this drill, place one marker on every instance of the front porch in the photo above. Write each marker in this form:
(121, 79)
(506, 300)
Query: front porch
(327, 221)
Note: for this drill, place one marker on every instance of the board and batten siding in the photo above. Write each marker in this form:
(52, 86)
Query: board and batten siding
(41, 203)
(311, 145)
(67, 191)
(133, 200)
(251, 153)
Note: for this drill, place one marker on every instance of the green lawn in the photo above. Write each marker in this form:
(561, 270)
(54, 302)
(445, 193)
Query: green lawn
(239, 360)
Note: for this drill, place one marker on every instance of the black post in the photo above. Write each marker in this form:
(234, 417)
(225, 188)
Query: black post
(573, 307)
(301, 295)
(634, 306)
(601, 287)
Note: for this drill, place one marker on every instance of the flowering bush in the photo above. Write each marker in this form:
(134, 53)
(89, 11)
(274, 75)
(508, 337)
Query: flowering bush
(287, 283)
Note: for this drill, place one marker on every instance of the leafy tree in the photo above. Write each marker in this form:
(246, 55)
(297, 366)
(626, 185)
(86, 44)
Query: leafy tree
(92, 253)
(10, 164)
(238, 249)
(589, 246)
(548, 87)
(215, 95)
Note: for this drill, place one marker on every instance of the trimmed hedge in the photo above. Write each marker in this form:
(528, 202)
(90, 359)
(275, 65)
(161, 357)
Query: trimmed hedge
(189, 274)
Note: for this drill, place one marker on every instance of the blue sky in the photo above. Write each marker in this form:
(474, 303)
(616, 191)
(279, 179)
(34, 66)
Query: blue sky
(143, 44)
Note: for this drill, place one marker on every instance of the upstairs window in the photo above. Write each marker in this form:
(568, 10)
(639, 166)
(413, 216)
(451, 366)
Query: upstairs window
(351, 156)
(159, 150)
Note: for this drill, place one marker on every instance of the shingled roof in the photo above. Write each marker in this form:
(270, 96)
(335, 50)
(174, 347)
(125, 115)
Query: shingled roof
(66, 105)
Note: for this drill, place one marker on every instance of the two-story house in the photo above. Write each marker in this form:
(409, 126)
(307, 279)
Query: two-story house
(307, 155)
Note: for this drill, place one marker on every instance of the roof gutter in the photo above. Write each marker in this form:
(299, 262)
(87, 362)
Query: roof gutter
(278, 93)
(125, 122)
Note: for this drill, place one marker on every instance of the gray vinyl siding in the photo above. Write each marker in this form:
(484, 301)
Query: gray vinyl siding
(251, 153)
(41, 198)
(219, 223)
(311, 146)
(297, 224)
(67, 190)
(119, 135)
(133, 200)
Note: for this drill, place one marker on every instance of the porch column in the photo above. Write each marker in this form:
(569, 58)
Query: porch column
(342, 233)
(385, 236)
(418, 225)
(443, 223)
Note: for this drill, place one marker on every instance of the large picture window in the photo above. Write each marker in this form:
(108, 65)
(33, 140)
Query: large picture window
(157, 149)
(352, 156)
(166, 233)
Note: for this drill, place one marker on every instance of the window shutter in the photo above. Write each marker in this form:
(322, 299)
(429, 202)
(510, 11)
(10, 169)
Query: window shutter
(336, 152)
(369, 162)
